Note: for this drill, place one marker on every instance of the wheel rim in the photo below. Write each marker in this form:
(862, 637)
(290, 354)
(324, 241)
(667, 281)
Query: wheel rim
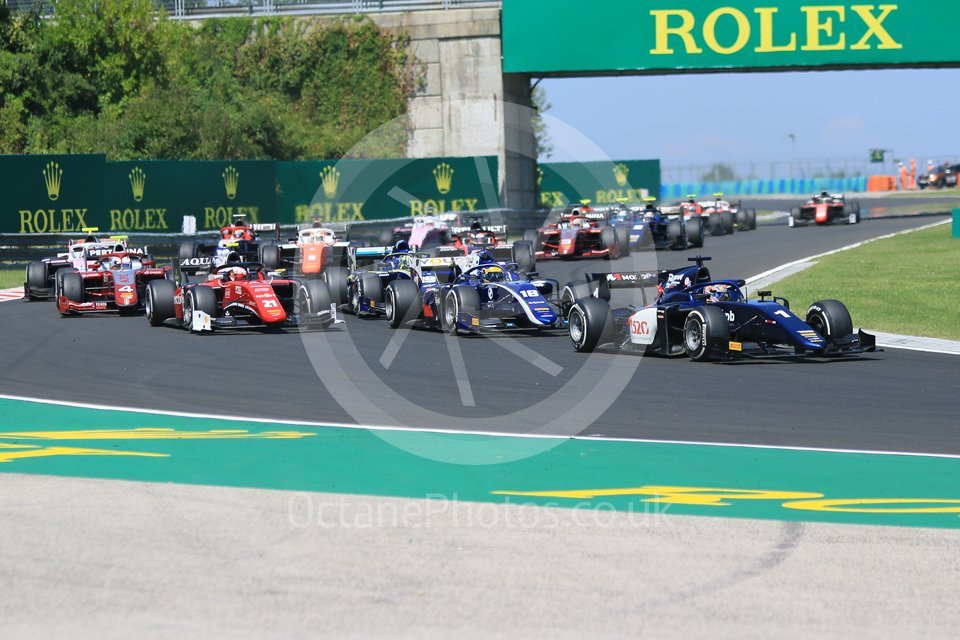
(148, 303)
(389, 305)
(304, 303)
(691, 336)
(355, 299)
(450, 313)
(188, 310)
(817, 324)
(577, 328)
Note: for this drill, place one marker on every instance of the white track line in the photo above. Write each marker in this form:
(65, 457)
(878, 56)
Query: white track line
(14, 293)
(496, 434)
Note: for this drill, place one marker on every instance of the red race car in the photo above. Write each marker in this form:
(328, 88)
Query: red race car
(825, 208)
(237, 295)
(579, 232)
(116, 284)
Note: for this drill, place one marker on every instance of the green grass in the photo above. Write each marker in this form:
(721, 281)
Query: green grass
(906, 284)
(11, 277)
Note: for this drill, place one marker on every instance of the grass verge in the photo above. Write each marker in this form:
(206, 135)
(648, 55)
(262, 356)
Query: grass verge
(11, 277)
(906, 284)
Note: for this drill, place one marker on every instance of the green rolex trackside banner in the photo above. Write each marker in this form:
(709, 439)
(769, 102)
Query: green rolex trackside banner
(155, 195)
(352, 190)
(51, 193)
(572, 36)
(606, 182)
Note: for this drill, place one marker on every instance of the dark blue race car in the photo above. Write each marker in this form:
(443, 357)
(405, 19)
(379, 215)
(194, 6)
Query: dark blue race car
(461, 298)
(708, 319)
(650, 228)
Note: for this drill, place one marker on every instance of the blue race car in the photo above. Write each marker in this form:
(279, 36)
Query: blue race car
(651, 227)
(361, 285)
(453, 295)
(709, 319)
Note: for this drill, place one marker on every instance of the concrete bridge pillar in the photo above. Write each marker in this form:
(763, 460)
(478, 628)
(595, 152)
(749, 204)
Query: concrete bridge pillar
(467, 106)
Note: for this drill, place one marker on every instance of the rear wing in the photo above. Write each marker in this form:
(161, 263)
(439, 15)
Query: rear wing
(267, 227)
(602, 283)
(193, 266)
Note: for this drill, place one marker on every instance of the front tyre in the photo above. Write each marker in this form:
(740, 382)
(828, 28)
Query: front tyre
(695, 231)
(336, 279)
(831, 319)
(705, 332)
(463, 299)
(589, 324)
(198, 298)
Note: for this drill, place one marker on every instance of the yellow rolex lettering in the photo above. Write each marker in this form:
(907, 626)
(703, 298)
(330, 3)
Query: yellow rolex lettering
(66, 219)
(710, 30)
(416, 208)
(663, 30)
(161, 221)
(357, 210)
(209, 218)
(26, 221)
(81, 221)
(820, 25)
(115, 215)
(875, 26)
(766, 33)
(471, 203)
(878, 505)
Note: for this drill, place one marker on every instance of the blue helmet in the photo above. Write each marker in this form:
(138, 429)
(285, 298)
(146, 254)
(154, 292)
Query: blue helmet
(401, 247)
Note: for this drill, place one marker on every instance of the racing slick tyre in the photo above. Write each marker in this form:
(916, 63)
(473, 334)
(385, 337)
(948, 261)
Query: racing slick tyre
(523, 256)
(188, 249)
(531, 235)
(336, 279)
(462, 299)
(71, 286)
(313, 297)
(270, 256)
(678, 239)
(751, 215)
(830, 319)
(199, 298)
(695, 231)
(608, 241)
(715, 224)
(623, 240)
(740, 219)
(385, 239)
(58, 279)
(589, 324)
(159, 303)
(36, 276)
(365, 285)
(705, 332)
(402, 302)
(571, 294)
(726, 220)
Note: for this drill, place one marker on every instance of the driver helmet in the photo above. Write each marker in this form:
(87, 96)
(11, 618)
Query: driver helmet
(824, 194)
(493, 273)
(238, 233)
(476, 226)
(115, 263)
(717, 292)
(126, 263)
(401, 247)
(235, 273)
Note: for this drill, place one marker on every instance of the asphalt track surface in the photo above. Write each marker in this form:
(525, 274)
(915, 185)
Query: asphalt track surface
(891, 401)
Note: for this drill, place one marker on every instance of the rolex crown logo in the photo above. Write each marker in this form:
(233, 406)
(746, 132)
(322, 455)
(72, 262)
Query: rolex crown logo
(620, 172)
(51, 177)
(138, 180)
(444, 177)
(330, 180)
(230, 179)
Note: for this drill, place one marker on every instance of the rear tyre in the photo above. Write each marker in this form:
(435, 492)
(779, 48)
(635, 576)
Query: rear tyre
(188, 249)
(830, 318)
(715, 224)
(462, 299)
(37, 275)
(589, 324)
(270, 256)
(608, 240)
(675, 233)
(705, 332)
(403, 303)
(726, 220)
(336, 279)
(740, 219)
(695, 231)
(623, 240)
(523, 256)
(530, 235)
(71, 286)
(159, 302)
(365, 285)
(751, 215)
